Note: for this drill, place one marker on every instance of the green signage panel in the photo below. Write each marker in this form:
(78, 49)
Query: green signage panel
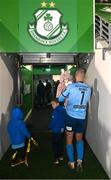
(46, 26)
(9, 21)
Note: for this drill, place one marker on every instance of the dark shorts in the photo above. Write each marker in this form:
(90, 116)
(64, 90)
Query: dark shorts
(75, 125)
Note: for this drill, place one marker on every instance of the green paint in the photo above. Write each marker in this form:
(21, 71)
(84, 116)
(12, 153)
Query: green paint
(85, 25)
(45, 70)
(105, 15)
(26, 79)
(53, 70)
(73, 70)
(16, 15)
(9, 21)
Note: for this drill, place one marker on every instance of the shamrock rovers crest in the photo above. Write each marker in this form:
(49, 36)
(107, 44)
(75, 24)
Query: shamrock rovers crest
(48, 28)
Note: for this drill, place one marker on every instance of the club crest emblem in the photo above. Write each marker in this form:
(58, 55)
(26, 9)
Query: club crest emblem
(48, 28)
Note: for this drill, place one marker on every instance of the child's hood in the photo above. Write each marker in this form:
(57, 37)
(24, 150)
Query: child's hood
(16, 114)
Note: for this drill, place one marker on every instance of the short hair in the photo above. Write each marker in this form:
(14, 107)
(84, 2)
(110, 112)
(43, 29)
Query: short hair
(55, 100)
(81, 70)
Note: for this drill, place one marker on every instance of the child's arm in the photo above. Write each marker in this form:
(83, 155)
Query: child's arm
(25, 131)
(53, 120)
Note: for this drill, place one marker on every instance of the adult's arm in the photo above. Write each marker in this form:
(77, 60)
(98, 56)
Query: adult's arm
(64, 94)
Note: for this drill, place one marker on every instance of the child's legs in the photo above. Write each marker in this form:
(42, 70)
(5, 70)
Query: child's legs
(22, 153)
(55, 145)
(18, 154)
(60, 144)
(14, 156)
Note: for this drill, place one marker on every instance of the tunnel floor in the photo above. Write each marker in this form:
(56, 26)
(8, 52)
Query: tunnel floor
(40, 158)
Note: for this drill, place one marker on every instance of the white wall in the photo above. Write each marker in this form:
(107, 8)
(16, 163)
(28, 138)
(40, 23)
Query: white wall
(7, 92)
(99, 123)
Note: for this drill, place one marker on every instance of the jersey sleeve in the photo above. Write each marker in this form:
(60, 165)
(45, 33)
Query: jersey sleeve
(64, 94)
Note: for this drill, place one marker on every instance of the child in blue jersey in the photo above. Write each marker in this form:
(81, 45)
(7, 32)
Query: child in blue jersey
(18, 133)
(77, 95)
(57, 127)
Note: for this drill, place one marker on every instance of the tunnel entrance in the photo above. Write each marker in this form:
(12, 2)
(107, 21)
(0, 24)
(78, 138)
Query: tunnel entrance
(30, 67)
(46, 67)
(33, 67)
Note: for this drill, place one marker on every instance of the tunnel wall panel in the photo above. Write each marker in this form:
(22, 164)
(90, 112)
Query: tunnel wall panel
(27, 80)
(7, 98)
(99, 123)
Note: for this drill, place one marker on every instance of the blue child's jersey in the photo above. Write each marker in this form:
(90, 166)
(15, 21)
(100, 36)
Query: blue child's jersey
(77, 96)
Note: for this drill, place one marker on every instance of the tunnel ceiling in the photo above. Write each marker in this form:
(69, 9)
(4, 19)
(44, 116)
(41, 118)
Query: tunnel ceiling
(48, 58)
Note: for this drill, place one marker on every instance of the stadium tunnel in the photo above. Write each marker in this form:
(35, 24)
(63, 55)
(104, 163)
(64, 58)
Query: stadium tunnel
(19, 75)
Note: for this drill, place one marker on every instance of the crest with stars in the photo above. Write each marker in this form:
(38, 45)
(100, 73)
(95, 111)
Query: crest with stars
(48, 28)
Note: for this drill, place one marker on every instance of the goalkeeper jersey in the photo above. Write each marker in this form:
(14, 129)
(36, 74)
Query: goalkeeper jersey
(77, 95)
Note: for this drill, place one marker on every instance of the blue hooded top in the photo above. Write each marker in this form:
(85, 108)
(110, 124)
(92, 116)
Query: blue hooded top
(16, 128)
(57, 119)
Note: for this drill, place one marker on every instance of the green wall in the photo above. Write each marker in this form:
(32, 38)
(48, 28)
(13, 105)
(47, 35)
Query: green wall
(73, 70)
(26, 79)
(44, 70)
(53, 70)
(9, 25)
(17, 15)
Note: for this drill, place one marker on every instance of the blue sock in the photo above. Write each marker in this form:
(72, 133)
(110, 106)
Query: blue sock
(80, 149)
(70, 152)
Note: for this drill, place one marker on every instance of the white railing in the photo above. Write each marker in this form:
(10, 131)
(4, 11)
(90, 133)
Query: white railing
(103, 28)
